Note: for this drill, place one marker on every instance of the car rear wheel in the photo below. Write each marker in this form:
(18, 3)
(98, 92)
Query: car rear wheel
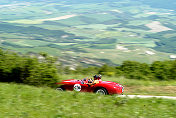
(101, 91)
(60, 89)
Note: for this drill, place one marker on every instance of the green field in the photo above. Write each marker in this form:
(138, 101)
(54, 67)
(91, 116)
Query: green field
(29, 102)
(85, 28)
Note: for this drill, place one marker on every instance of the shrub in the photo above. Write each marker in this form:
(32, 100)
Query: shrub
(15, 68)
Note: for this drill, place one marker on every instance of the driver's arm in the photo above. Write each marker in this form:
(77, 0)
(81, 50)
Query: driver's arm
(95, 81)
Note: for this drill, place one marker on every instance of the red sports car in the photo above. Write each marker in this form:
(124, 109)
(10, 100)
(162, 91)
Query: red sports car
(101, 87)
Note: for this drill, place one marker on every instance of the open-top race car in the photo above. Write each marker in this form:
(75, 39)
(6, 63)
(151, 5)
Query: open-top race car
(88, 85)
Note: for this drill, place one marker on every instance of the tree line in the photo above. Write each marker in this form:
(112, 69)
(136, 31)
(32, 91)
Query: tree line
(45, 71)
(28, 70)
(158, 70)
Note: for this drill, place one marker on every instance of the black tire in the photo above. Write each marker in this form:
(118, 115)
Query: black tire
(101, 91)
(60, 89)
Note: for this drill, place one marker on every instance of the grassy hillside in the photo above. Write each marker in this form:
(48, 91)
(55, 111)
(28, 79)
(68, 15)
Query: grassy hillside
(31, 102)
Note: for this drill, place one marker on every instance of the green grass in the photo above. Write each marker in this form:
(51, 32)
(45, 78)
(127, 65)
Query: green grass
(101, 17)
(31, 102)
(94, 26)
(48, 50)
(170, 35)
(12, 36)
(118, 56)
(71, 21)
(63, 44)
(28, 43)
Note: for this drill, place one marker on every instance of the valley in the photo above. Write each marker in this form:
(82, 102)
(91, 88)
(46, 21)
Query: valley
(89, 33)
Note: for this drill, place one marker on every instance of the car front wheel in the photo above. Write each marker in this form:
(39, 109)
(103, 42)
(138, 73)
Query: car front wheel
(101, 91)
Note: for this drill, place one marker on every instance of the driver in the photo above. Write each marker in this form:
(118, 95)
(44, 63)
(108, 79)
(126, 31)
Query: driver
(97, 79)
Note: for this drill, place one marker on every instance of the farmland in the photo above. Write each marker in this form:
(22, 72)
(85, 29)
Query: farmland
(77, 31)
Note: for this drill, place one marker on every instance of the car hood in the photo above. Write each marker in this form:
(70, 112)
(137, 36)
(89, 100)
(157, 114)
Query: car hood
(109, 82)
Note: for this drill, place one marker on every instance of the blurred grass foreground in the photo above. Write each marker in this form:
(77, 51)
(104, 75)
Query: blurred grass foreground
(23, 101)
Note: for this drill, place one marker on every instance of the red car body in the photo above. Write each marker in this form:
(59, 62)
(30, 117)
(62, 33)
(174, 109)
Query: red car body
(83, 86)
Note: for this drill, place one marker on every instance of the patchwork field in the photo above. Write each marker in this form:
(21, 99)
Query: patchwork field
(39, 21)
(156, 26)
(104, 31)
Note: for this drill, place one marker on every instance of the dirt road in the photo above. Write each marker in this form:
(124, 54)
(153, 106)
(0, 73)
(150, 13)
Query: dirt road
(148, 96)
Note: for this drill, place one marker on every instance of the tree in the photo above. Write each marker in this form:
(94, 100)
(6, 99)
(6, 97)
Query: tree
(162, 69)
(107, 70)
(19, 69)
(136, 70)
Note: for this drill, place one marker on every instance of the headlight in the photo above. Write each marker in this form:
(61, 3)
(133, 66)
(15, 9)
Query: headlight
(119, 85)
(122, 89)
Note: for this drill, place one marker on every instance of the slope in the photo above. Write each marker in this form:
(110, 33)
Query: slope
(28, 102)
